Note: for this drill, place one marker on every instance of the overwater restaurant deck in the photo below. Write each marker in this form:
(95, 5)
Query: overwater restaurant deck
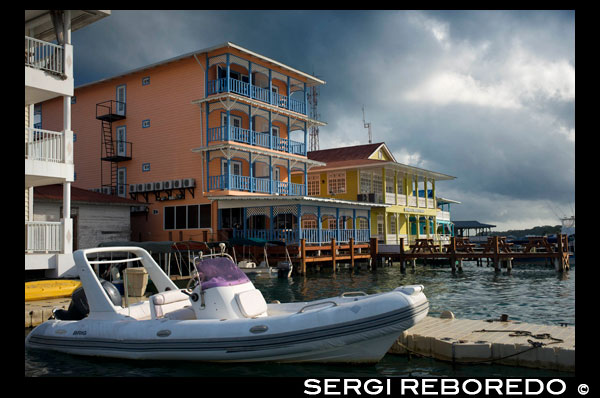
(292, 218)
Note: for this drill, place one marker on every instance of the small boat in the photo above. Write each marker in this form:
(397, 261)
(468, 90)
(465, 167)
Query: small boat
(282, 270)
(223, 318)
(50, 289)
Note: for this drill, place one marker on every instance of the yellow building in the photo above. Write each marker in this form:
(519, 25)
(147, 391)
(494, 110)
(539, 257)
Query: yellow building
(370, 173)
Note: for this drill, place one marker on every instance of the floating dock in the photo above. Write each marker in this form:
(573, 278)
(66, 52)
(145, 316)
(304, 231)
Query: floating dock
(465, 341)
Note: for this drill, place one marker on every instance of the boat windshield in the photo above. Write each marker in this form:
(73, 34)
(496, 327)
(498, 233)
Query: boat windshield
(219, 271)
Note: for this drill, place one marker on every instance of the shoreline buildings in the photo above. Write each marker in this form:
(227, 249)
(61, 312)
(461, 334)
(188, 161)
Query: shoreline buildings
(208, 141)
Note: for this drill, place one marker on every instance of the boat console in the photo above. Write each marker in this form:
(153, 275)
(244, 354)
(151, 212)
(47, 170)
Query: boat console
(222, 291)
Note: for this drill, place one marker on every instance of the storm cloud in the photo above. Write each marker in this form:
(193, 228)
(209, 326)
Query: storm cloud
(485, 96)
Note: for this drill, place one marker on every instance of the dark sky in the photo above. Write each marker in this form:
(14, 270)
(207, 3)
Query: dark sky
(485, 96)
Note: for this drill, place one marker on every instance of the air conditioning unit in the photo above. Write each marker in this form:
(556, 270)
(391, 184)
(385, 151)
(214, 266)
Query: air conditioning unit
(189, 182)
(133, 188)
(158, 186)
(168, 184)
(149, 187)
(96, 190)
(177, 184)
(107, 190)
(140, 188)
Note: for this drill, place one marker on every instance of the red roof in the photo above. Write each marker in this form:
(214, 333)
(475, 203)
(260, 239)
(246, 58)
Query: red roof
(345, 153)
(55, 192)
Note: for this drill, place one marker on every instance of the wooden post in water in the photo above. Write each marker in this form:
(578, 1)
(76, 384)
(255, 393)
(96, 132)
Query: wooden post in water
(496, 254)
(333, 253)
(352, 253)
(452, 250)
(303, 256)
(373, 247)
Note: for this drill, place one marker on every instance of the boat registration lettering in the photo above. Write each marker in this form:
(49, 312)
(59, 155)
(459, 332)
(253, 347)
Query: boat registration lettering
(79, 333)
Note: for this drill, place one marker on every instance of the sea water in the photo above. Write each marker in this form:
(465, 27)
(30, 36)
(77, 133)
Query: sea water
(529, 293)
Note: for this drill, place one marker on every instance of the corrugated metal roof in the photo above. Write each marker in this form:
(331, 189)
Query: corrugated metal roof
(55, 192)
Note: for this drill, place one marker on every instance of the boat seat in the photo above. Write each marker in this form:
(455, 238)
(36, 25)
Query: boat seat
(165, 304)
(251, 303)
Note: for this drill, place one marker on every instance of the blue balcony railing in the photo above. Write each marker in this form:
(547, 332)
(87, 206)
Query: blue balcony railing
(261, 94)
(250, 137)
(310, 235)
(254, 184)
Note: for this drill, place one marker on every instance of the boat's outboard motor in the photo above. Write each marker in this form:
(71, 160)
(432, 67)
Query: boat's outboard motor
(79, 308)
(284, 269)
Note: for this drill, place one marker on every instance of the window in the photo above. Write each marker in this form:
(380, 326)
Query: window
(309, 221)
(363, 223)
(377, 183)
(187, 217)
(236, 121)
(336, 182)
(37, 116)
(73, 100)
(389, 184)
(380, 224)
(236, 167)
(365, 182)
(314, 185)
(231, 218)
(122, 182)
(146, 167)
(121, 141)
(146, 81)
(121, 99)
(392, 224)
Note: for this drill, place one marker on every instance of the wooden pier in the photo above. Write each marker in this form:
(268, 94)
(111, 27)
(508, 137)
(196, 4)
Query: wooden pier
(497, 251)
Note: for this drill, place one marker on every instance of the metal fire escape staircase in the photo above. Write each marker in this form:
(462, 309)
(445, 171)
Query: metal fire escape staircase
(112, 151)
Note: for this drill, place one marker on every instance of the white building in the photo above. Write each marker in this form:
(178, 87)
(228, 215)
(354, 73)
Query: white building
(49, 154)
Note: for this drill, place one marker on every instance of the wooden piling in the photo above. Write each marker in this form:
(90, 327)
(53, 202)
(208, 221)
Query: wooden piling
(373, 247)
(303, 256)
(352, 253)
(333, 253)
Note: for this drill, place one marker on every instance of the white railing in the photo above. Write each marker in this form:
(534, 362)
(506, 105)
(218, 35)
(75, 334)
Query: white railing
(44, 145)
(421, 202)
(401, 199)
(412, 201)
(43, 55)
(443, 215)
(430, 203)
(390, 198)
(43, 236)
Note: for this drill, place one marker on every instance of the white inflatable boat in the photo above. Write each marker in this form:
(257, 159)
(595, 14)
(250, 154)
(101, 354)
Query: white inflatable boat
(224, 318)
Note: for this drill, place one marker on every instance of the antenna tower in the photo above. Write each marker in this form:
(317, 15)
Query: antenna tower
(367, 125)
(313, 141)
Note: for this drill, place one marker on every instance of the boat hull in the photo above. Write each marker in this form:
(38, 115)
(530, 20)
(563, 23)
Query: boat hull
(355, 329)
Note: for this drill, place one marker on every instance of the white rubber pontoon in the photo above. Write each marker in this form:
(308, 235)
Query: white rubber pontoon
(224, 318)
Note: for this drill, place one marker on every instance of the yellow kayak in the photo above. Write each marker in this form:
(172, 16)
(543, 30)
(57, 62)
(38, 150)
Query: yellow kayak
(49, 289)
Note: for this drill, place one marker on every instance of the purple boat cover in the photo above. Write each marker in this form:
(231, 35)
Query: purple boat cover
(219, 271)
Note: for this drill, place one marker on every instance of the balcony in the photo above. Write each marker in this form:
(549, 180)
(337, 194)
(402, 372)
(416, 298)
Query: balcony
(48, 70)
(48, 156)
(253, 184)
(43, 237)
(312, 236)
(231, 85)
(254, 138)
